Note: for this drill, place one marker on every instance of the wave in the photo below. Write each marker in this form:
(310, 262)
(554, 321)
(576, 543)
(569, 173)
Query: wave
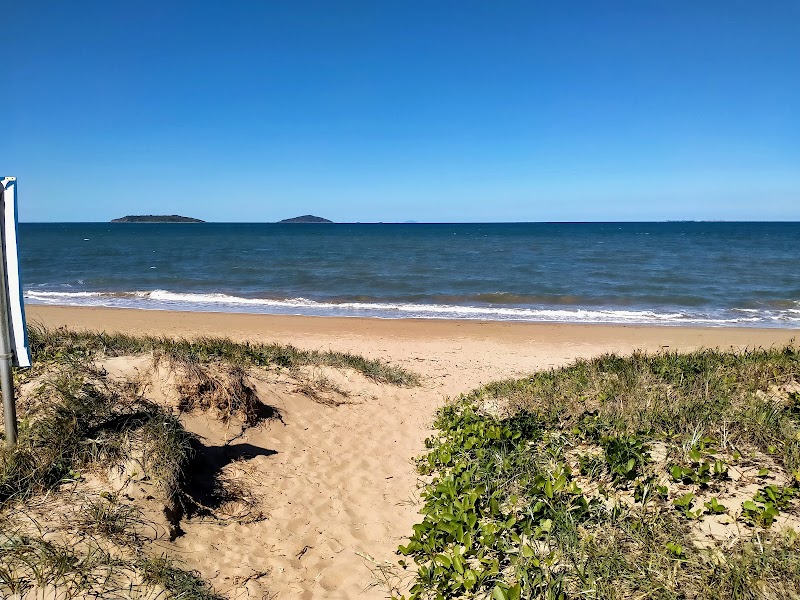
(219, 302)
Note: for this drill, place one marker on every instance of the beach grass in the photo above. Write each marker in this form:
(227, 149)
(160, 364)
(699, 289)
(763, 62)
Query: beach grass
(103, 554)
(87, 423)
(77, 422)
(48, 344)
(34, 567)
(82, 424)
(670, 476)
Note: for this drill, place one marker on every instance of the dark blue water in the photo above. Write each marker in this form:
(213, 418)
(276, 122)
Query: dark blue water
(678, 273)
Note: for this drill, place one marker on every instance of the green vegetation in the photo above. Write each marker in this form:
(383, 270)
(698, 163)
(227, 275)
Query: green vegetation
(601, 479)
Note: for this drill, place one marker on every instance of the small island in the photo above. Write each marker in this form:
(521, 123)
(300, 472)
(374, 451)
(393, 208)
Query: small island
(156, 219)
(306, 219)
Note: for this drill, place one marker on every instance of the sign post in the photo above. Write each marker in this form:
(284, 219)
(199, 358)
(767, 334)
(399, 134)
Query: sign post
(14, 349)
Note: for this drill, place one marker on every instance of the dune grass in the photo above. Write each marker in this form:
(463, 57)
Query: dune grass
(34, 567)
(82, 425)
(85, 424)
(65, 344)
(76, 420)
(88, 428)
(598, 480)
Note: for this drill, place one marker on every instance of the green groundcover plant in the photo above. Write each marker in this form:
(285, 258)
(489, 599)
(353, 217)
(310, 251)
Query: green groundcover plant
(561, 492)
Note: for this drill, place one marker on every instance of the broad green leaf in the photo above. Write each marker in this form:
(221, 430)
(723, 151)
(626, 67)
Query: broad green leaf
(470, 579)
(499, 594)
(443, 560)
(457, 564)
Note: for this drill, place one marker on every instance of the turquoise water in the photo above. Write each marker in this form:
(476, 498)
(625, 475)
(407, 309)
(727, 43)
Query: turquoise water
(726, 274)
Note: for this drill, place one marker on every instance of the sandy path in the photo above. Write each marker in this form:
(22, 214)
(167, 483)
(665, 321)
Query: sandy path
(339, 484)
(336, 481)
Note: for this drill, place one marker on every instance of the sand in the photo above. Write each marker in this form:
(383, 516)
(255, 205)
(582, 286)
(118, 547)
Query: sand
(337, 482)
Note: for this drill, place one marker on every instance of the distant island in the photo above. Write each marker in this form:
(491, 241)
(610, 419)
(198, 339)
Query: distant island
(306, 219)
(156, 219)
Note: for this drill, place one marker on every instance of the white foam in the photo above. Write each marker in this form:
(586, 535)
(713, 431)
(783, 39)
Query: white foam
(166, 296)
(218, 302)
(65, 295)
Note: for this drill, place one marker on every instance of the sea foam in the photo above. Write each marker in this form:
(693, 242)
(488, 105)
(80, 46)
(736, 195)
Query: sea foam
(220, 302)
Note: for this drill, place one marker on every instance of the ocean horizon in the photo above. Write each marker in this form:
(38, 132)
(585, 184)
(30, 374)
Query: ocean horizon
(716, 273)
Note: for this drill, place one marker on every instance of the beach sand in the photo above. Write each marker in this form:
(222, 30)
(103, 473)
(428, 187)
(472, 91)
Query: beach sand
(338, 482)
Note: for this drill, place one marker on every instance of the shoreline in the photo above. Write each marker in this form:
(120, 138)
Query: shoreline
(443, 324)
(492, 349)
(441, 310)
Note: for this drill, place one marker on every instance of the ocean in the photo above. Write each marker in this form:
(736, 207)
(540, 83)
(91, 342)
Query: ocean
(681, 273)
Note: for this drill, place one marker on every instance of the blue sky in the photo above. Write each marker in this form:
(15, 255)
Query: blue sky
(388, 111)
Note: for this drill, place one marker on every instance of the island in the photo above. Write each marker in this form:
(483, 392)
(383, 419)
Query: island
(156, 219)
(306, 219)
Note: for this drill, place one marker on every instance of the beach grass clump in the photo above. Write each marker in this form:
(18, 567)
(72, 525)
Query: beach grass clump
(58, 538)
(83, 423)
(108, 517)
(99, 554)
(31, 566)
(34, 567)
(654, 475)
(178, 583)
(62, 345)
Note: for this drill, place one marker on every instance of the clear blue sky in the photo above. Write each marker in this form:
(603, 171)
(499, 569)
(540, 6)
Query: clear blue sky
(388, 111)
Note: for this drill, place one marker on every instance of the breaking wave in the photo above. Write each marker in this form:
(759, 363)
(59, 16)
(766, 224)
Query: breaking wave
(785, 316)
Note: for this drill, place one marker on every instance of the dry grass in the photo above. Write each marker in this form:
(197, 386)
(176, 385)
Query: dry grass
(221, 387)
(234, 492)
(315, 384)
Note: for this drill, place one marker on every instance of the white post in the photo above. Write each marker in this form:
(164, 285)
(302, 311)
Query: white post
(13, 334)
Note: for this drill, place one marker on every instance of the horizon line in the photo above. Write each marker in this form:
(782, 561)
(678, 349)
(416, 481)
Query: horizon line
(203, 222)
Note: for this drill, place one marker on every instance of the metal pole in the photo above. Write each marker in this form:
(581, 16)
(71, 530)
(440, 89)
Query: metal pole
(6, 355)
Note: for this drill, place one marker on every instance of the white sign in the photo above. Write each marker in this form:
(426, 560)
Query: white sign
(16, 309)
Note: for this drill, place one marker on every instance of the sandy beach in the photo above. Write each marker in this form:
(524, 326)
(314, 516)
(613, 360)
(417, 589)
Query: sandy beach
(338, 482)
(466, 353)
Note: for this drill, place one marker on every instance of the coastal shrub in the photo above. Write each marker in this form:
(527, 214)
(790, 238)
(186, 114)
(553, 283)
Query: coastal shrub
(595, 482)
